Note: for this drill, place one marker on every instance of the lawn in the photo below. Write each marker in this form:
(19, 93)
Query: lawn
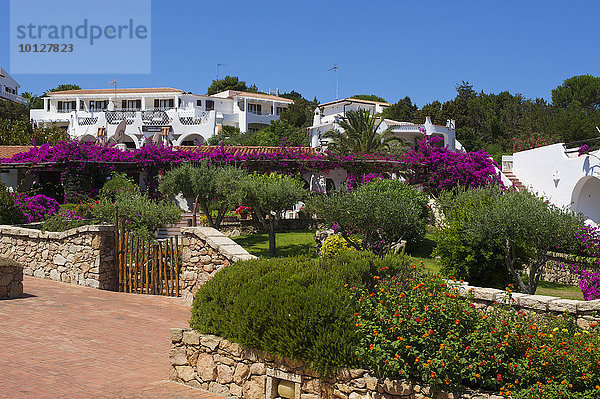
(291, 243)
(302, 243)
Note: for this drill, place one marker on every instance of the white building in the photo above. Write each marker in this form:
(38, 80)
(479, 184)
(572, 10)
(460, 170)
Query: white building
(558, 172)
(180, 118)
(9, 88)
(327, 116)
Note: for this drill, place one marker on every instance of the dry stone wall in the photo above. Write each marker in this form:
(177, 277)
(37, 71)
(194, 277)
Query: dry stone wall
(11, 280)
(585, 312)
(217, 365)
(205, 252)
(82, 256)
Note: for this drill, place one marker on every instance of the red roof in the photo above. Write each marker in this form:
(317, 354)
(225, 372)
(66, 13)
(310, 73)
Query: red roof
(7, 151)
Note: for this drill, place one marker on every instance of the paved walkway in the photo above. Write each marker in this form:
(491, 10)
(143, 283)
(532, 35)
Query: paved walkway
(66, 341)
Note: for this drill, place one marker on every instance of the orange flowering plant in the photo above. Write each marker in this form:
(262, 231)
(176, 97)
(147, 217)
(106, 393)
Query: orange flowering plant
(422, 328)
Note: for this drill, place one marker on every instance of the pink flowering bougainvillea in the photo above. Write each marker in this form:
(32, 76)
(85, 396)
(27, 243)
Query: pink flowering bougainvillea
(589, 282)
(36, 208)
(438, 169)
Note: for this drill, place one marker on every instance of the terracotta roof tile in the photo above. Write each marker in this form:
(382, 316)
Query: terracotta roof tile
(258, 95)
(119, 91)
(356, 100)
(7, 151)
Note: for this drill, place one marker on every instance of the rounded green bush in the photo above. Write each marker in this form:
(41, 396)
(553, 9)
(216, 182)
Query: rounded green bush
(296, 307)
(333, 245)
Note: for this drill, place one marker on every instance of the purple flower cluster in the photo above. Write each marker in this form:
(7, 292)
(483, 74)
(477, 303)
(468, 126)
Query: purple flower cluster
(353, 181)
(73, 152)
(438, 168)
(36, 208)
(589, 282)
(583, 150)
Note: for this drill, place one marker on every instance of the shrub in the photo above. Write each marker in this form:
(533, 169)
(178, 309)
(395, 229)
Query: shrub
(382, 212)
(9, 211)
(37, 207)
(525, 226)
(118, 183)
(428, 332)
(64, 220)
(141, 215)
(295, 307)
(479, 263)
(333, 245)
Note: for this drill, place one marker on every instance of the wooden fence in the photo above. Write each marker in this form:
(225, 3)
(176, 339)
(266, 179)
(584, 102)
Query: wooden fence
(147, 267)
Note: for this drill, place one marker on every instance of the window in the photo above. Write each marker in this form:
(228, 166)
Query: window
(66, 106)
(254, 108)
(280, 110)
(198, 103)
(131, 105)
(210, 105)
(81, 104)
(99, 105)
(164, 104)
(179, 102)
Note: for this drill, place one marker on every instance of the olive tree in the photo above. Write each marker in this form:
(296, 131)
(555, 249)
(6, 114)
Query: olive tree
(383, 212)
(207, 184)
(527, 227)
(269, 196)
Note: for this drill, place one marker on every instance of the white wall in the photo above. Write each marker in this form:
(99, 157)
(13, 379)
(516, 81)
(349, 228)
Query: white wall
(565, 181)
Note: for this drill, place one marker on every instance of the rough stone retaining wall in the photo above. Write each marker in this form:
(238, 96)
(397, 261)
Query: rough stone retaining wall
(11, 280)
(217, 365)
(583, 311)
(205, 252)
(82, 256)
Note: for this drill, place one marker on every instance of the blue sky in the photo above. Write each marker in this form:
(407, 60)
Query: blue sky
(389, 48)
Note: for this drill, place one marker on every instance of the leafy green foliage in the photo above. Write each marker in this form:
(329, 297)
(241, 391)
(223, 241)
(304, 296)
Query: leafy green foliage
(404, 110)
(118, 183)
(527, 227)
(229, 135)
(423, 329)
(141, 215)
(269, 195)
(481, 263)
(334, 244)
(383, 212)
(360, 135)
(65, 87)
(207, 184)
(578, 91)
(369, 97)
(300, 113)
(278, 133)
(229, 83)
(9, 211)
(295, 307)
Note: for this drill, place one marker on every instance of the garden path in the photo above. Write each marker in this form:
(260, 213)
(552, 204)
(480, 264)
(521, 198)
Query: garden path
(67, 341)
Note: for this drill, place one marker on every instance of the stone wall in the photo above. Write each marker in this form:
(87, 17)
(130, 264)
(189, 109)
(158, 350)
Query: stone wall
(217, 365)
(583, 311)
(82, 256)
(205, 252)
(11, 279)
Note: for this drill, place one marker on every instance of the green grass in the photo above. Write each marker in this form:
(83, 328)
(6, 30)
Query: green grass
(560, 290)
(295, 243)
(291, 243)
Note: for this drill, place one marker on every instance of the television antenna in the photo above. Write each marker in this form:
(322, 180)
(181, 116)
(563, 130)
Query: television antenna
(114, 82)
(219, 65)
(337, 79)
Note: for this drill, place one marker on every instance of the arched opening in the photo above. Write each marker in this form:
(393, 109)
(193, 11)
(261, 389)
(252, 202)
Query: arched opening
(586, 198)
(88, 138)
(129, 141)
(193, 139)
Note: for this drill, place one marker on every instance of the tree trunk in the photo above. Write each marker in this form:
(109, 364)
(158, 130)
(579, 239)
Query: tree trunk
(220, 215)
(194, 212)
(204, 206)
(509, 261)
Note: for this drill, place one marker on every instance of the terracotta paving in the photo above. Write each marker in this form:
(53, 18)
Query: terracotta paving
(66, 341)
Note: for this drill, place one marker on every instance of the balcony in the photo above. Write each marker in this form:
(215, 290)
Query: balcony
(13, 97)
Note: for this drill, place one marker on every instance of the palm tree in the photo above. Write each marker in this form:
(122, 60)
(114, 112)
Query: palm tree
(33, 101)
(360, 135)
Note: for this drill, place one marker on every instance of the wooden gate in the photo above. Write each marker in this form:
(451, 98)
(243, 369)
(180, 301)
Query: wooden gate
(147, 267)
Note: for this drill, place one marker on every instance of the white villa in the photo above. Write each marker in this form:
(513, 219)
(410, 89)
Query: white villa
(560, 174)
(9, 88)
(134, 116)
(327, 115)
